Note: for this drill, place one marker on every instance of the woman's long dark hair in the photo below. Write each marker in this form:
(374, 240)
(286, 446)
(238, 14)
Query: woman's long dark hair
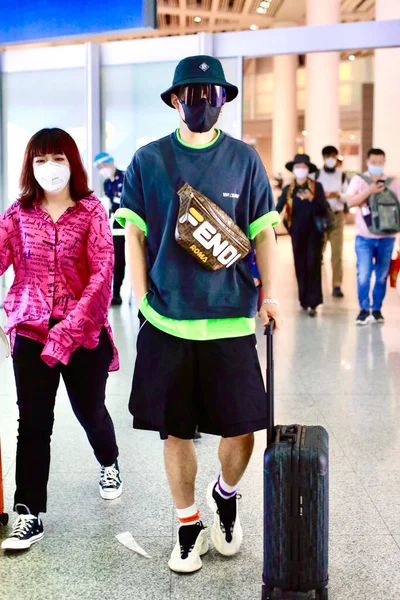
(52, 141)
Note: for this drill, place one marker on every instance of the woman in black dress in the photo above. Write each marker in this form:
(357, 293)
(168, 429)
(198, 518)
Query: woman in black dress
(304, 200)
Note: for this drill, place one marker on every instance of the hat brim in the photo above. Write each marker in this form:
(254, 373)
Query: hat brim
(311, 166)
(231, 90)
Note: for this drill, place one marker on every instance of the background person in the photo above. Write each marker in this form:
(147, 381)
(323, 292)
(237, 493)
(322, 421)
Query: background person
(333, 180)
(301, 200)
(113, 183)
(196, 360)
(374, 252)
(57, 237)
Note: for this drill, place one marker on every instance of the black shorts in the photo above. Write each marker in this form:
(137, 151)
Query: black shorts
(179, 384)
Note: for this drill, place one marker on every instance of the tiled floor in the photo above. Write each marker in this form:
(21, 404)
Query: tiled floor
(327, 372)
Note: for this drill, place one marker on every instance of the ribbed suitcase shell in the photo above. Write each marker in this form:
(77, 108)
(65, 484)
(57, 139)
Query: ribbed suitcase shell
(296, 510)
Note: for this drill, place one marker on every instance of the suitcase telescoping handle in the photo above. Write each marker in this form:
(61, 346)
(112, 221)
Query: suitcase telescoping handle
(269, 333)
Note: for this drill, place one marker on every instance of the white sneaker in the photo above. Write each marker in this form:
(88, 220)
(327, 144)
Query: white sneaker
(27, 530)
(226, 532)
(110, 482)
(192, 543)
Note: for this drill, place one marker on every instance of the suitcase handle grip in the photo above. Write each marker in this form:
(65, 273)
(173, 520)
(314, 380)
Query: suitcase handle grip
(269, 333)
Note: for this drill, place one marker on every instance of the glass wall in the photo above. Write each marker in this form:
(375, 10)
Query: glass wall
(354, 73)
(133, 113)
(35, 100)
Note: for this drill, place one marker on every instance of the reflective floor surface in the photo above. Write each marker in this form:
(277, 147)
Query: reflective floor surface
(328, 372)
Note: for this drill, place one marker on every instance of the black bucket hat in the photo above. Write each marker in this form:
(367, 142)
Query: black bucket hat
(301, 158)
(200, 69)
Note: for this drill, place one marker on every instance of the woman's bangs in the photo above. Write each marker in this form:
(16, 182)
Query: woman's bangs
(47, 142)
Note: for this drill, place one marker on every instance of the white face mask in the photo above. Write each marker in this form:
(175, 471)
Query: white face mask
(331, 162)
(375, 169)
(52, 177)
(106, 172)
(300, 172)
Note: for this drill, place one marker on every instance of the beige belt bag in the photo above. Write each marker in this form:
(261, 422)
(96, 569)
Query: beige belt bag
(205, 231)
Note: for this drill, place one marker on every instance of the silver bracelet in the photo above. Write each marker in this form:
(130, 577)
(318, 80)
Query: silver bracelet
(271, 301)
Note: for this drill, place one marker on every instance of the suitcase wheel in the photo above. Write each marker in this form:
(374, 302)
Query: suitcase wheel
(4, 519)
(267, 594)
(321, 594)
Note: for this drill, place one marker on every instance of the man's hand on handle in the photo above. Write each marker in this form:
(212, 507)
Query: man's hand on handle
(271, 311)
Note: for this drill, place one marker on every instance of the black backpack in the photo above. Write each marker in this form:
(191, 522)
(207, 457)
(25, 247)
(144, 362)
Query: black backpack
(385, 210)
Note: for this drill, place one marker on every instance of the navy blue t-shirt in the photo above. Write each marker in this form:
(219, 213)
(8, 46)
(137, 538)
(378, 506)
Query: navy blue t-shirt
(231, 174)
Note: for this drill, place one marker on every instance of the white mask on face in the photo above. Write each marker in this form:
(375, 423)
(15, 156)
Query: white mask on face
(52, 177)
(331, 162)
(300, 172)
(106, 172)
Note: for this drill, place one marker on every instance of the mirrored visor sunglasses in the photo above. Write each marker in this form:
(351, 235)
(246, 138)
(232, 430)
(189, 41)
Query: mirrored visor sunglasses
(193, 94)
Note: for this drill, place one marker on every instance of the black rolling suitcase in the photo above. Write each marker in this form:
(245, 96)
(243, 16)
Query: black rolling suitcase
(296, 476)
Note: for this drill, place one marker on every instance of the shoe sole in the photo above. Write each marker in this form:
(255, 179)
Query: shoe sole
(184, 567)
(23, 545)
(106, 495)
(216, 533)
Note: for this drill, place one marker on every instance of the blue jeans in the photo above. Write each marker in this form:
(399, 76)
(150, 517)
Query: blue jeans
(372, 255)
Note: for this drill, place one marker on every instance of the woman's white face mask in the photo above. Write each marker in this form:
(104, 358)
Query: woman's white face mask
(300, 172)
(52, 177)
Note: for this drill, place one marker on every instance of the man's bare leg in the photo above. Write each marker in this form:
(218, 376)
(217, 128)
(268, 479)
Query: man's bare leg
(181, 468)
(234, 454)
(226, 532)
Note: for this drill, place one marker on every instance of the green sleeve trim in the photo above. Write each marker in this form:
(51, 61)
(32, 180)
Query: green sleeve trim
(271, 219)
(199, 330)
(123, 215)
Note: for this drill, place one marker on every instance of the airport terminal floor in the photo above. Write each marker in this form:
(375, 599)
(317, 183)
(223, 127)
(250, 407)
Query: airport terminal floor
(328, 372)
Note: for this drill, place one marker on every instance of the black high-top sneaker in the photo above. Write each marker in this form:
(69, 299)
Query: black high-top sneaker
(27, 530)
(110, 482)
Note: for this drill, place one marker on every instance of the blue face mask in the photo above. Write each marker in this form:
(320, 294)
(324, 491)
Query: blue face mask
(375, 170)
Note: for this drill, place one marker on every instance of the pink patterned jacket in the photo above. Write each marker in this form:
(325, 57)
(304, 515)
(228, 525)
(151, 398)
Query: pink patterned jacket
(62, 271)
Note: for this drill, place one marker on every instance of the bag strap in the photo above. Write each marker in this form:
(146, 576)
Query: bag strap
(168, 156)
(365, 178)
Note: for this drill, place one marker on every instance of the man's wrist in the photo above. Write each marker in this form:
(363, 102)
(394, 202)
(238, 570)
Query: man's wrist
(273, 301)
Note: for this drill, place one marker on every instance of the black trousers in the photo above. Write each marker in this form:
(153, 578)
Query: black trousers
(85, 378)
(119, 265)
(307, 251)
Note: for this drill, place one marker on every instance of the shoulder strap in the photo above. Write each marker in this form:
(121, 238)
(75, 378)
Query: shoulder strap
(168, 156)
(365, 178)
(343, 177)
(389, 180)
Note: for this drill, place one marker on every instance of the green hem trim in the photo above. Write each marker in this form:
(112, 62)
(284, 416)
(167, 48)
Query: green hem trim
(271, 219)
(198, 330)
(122, 215)
(180, 140)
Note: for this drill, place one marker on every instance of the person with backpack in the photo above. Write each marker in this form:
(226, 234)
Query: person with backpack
(377, 222)
(333, 180)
